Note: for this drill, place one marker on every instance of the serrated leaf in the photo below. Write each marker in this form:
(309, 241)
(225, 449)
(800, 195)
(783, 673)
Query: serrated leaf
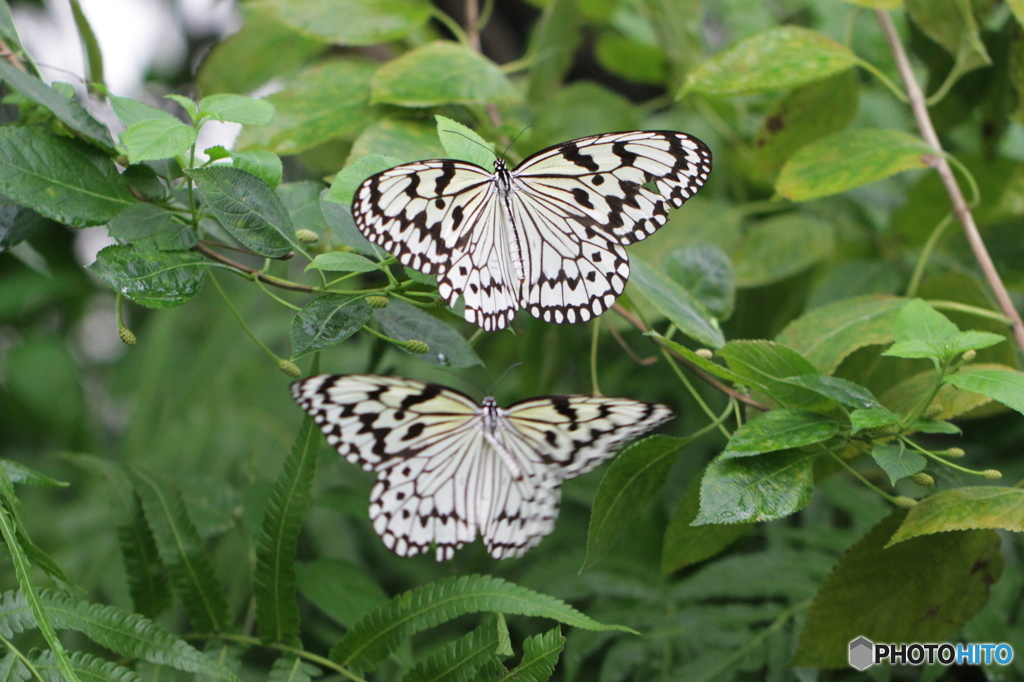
(777, 59)
(709, 366)
(675, 303)
(405, 322)
(264, 165)
(19, 473)
(457, 661)
(781, 247)
(237, 109)
(970, 508)
(151, 278)
(320, 103)
(293, 669)
(540, 655)
(364, 22)
(132, 111)
(763, 488)
(897, 461)
(633, 479)
(768, 366)
(972, 340)
(930, 587)
(248, 209)
(915, 349)
(340, 261)
(343, 591)
(277, 611)
(846, 160)
(380, 632)
(302, 199)
(918, 321)
(147, 578)
(872, 418)
(87, 666)
(68, 110)
(779, 430)
(188, 565)
(441, 72)
(463, 143)
(1004, 385)
(157, 138)
(59, 178)
(149, 221)
(843, 391)
(950, 401)
(829, 333)
(327, 320)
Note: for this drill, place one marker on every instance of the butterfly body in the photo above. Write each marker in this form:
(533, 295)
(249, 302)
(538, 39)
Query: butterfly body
(449, 469)
(547, 236)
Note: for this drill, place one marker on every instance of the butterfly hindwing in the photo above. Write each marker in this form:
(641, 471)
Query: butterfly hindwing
(441, 479)
(546, 236)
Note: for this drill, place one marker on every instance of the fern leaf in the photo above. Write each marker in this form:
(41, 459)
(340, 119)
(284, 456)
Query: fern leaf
(89, 668)
(15, 614)
(460, 660)
(19, 473)
(12, 669)
(188, 565)
(42, 560)
(291, 669)
(381, 631)
(128, 634)
(277, 610)
(147, 577)
(540, 654)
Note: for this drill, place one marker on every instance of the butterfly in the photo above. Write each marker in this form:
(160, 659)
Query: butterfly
(546, 236)
(449, 469)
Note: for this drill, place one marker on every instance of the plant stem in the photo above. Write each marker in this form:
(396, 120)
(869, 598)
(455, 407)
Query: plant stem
(259, 274)
(924, 123)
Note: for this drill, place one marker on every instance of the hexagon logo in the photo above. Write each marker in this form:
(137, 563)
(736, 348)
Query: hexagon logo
(862, 653)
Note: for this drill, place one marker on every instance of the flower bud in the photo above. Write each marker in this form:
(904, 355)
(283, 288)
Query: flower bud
(969, 355)
(289, 368)
(955, 453)
(307, 236)
(416, 346)
(127, 336)
(705, 353)
(376, 302)
(992, 474)
(905, 502)
(923, 479)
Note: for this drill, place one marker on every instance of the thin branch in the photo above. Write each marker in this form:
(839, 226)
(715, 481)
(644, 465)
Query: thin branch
(919, 106)
(261, 276)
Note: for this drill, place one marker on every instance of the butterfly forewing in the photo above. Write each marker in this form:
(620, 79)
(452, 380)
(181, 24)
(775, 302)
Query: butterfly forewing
(552, 242)
(441, 479)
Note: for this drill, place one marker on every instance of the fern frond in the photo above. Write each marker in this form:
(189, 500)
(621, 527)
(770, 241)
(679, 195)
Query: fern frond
(147, 577)
(89, 668)
(277, 610)
(181, 549)
(379, 632)
(43, 561)
(540, 654)
(19, 473)
(292, 669)
(460, 660)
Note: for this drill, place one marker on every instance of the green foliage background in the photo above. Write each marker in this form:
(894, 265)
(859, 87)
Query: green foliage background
(168, 514)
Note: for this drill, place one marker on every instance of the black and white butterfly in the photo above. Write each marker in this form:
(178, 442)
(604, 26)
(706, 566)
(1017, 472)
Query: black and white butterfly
(546, 236)
(449, 469)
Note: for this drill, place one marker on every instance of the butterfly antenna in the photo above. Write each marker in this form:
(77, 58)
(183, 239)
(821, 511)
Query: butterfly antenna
(502, 377)
(476, 142)
(505, 153)
(467, 380)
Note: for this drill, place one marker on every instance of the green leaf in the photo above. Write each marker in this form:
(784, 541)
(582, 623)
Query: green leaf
(672, 301)
(186, 103)
(132, 111)
(339, 218)
(540, 655)
(404, 139)
(769, 366)
(19, 473)
(777, 59)
(147, 578)
(929, 586)
(872, 418)
(634, 60)
(1004, 385)
(157, 138)
(918, 321)
(581, 108)
(67, 110)
(846, 160)
(327, 320)
(363, 22)
(302, 199)
(706, 273)
(155, 279)
(915, 349)
(463, 143)
(843, 391)
(763, 488)
(341, 261)
(237, 109)
(277, 611)
(320, 103)
(972, 340)
(438, 73)
(148, 221)
(60, 179)
(347, 180)
(181, 549)
(803, 115)
(460, 660)
(405, 322)
(931, 426)
(712, 368)
(343, 591)
(248, 209)
(780, 247)
(293, 669)
(951, 24)
(897, 461)
(86, 666)
(826, 335)
(633, 479)
(382, 631)
(263, 164)
(971, 508)
(779, 430)
(686, 544)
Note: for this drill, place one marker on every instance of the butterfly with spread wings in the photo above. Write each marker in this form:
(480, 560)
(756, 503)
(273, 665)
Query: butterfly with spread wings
(449, 469)
(546, 236)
